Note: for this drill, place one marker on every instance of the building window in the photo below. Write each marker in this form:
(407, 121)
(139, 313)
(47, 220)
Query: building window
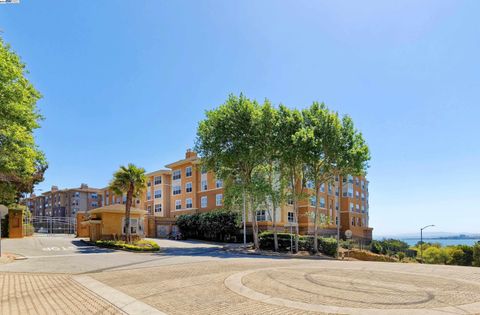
(309, 184)
(218, 199)
(351, 206)
(188, 203)
(177, 174)
(94, 196)
(363, 196)
(204, 170)
(313, 201)
(204, 185)
(188, 171)
(358, 208)
(124, 199)
(158, 208)
(134, 227)
(77, 194)
(219, 183)
(149, 209)
(203, 202)
(149, 183)
(291, 217)
(322, 202)
(177, 190)
(188, 187)
(357, 195)
(94, 204)
(336, 220)
(261, 215)
(158, 194)
(322, 188)
(149, 195)
(178, 204)
(330, 190)
(290, 201)
(158, 180)
(347, 190)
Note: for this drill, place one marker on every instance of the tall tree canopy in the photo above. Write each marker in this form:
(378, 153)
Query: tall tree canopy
(266, 154)
(22, 164)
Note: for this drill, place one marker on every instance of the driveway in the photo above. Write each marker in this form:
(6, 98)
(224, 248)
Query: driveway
(191, 277)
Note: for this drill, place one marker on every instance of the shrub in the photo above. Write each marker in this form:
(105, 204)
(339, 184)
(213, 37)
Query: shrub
(376, 247)
(216, 225)
(140, 246)
(327, 246)
(476, 254)
(435, 255)
(401, 256)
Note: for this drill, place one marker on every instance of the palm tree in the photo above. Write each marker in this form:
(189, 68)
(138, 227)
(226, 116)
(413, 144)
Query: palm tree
(132, 181)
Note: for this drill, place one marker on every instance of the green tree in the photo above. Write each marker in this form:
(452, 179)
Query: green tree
(228, 142)
(291, 158)
(132, 181)
(320, 137)
(22, 164)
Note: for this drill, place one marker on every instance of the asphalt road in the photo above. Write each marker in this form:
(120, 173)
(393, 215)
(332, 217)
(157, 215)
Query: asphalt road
(66, 254)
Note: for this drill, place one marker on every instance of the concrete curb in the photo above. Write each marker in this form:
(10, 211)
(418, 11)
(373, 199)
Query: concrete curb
(124, 302)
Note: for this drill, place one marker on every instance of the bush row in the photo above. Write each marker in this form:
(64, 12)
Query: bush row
(140, 246)
(462, 255)
(327, 246)
(219, 225)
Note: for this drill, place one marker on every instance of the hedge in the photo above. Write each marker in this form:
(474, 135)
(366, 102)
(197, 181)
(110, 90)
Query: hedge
(218, 225)
(327, 246)
(139, 246)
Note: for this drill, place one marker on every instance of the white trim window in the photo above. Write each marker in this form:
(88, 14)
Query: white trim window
(218, 199)
(204, 202)
(219, 183)
(188, 187)
(177, 190)
(262, 215)
(177, 174)
(204, 185)
(158, 208)
(188, 171)
(149, 195)
(309, 184)
(357, 207)
(322, 188)
(158, 180)
(322, 202)
(157, 194)
(188, 203)
(135, 226)
(351, 206)
(178, 204)
(313, 201)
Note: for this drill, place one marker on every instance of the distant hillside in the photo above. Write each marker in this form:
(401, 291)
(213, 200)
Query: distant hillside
(439, 235)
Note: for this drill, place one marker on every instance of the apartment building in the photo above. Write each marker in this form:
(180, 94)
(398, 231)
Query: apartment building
(64, 202)
(193, 189)
(110, 198)
(156, 198)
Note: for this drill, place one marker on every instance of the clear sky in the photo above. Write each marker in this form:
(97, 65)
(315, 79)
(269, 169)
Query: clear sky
(128, 81)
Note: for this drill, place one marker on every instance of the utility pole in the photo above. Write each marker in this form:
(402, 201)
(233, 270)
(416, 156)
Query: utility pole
(421, 241)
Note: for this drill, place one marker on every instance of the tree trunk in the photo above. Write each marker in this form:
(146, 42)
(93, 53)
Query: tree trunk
(274, 212)
(315, 217)
(256, 244)
(128, 205)
(295, 211)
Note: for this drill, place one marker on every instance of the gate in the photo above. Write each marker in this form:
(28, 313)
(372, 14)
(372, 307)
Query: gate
(43, 225)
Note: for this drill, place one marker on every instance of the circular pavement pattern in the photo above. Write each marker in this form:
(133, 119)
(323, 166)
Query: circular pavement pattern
(357, 291)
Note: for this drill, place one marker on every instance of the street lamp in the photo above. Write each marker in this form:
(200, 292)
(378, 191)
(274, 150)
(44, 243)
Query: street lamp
(421, 241)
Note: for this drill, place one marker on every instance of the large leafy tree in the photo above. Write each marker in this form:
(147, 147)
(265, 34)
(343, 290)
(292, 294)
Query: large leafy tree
(22, 164)
(129, 180)
(320, 138)
(291, 157)
(228, 142)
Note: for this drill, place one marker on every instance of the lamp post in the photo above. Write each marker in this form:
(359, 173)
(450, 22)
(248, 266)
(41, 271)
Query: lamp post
(421, 241)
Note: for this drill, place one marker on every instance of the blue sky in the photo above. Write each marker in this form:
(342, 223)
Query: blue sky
(127, 81)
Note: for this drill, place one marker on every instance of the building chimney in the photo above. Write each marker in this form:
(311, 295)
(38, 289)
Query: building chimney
(190, 154)
(54, 188)
(83, 186)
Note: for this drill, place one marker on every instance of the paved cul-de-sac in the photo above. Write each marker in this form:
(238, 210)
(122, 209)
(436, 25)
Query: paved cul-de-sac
(65, 276)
